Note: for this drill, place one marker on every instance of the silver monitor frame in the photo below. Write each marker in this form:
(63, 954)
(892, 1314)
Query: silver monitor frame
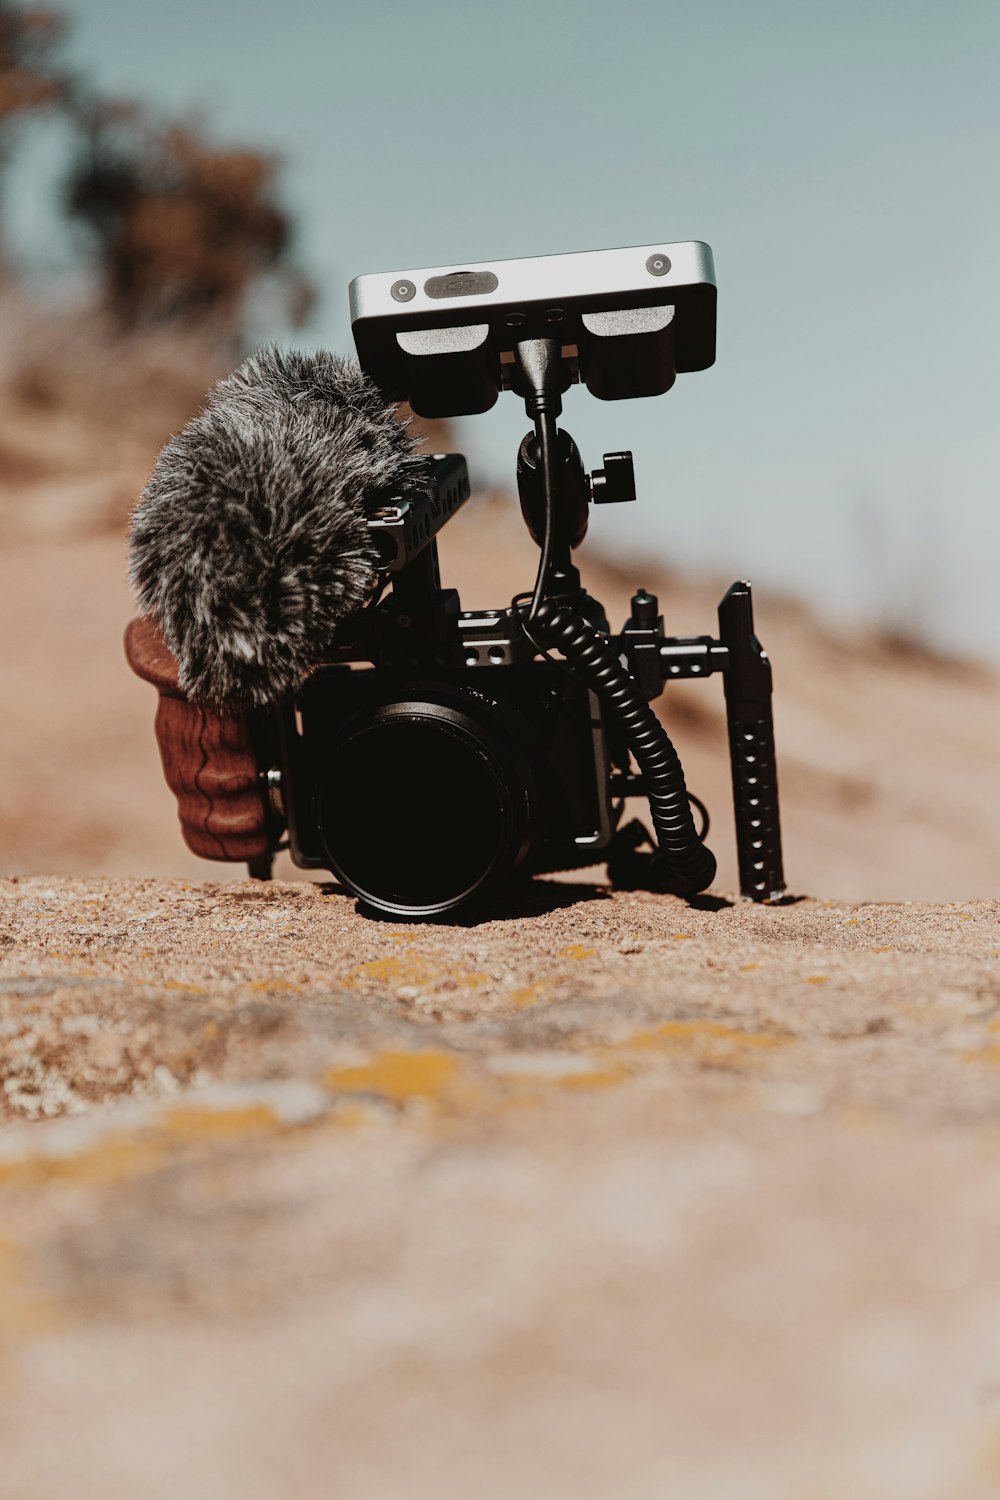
(442, 311)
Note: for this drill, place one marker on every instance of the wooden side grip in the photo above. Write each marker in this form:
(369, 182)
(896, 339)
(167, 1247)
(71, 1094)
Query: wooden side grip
(208, 759)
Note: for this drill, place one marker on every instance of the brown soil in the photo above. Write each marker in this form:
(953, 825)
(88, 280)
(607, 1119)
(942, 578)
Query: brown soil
(607, 1196)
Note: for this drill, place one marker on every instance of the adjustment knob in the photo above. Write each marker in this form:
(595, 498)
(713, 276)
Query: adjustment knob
(614, 483)
(645, 609)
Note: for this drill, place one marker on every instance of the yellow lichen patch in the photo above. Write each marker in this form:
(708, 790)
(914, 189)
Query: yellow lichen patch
(851, 922)
(597, 1078)
(577, 950)
(747, 968)
(112, 1160)
(518, 1092)
(117, 1157)
(990, 1055)
(417, 969)
(196, 1123)
(408, 968)
(682, 937)
(885, 948)
(275, 987)
(817, 978)
(189, 989)
(673, 1033)
(709, 1043)
(399, 1076)
(556, 1069)
(529, 995)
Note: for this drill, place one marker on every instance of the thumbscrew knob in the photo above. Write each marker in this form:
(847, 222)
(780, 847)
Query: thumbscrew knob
(615, 483)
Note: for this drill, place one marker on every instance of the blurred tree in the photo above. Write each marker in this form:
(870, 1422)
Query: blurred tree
(183, 229)
(29, 40)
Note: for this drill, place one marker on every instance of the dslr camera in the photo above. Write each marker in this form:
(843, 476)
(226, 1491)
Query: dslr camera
(470, 745)
(429, 753)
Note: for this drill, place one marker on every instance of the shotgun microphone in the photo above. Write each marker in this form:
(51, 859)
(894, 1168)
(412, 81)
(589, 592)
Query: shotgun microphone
(250, 545)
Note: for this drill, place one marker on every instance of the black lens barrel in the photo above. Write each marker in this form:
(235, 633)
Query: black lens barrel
(426, 803)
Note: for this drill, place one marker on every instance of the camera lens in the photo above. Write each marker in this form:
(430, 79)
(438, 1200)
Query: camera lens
(423, 806)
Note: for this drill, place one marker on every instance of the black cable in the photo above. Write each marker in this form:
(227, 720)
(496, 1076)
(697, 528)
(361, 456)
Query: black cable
(682, 863)
(539, 365)
(540, 382)
(545, 432)
(515, 605)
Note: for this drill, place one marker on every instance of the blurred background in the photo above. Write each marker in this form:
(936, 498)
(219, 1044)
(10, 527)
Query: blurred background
(178, 183)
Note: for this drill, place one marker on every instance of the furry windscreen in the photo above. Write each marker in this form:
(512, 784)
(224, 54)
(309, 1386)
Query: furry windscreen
(249, 545)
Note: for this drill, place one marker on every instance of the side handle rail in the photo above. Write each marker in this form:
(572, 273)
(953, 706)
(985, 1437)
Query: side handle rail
(751, 748)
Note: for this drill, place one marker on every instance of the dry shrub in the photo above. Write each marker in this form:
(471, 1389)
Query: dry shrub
(28, 43)
(183, 229)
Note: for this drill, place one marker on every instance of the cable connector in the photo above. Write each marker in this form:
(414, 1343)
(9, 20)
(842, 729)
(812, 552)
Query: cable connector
(541, 379)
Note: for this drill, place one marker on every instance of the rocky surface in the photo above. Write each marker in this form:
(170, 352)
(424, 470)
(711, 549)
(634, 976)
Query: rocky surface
(608, 1196)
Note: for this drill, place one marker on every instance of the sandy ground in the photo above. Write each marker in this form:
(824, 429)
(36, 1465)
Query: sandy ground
(610, 1196)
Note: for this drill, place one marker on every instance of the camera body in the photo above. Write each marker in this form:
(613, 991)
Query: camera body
(438, 735)
(468, 775)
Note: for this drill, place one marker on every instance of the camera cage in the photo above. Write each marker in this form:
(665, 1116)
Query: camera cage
(448, 340)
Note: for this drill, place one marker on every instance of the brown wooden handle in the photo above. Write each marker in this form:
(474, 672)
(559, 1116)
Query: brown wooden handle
(208, 759)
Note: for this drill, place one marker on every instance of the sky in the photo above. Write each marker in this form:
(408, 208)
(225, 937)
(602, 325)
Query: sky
(840, 160)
